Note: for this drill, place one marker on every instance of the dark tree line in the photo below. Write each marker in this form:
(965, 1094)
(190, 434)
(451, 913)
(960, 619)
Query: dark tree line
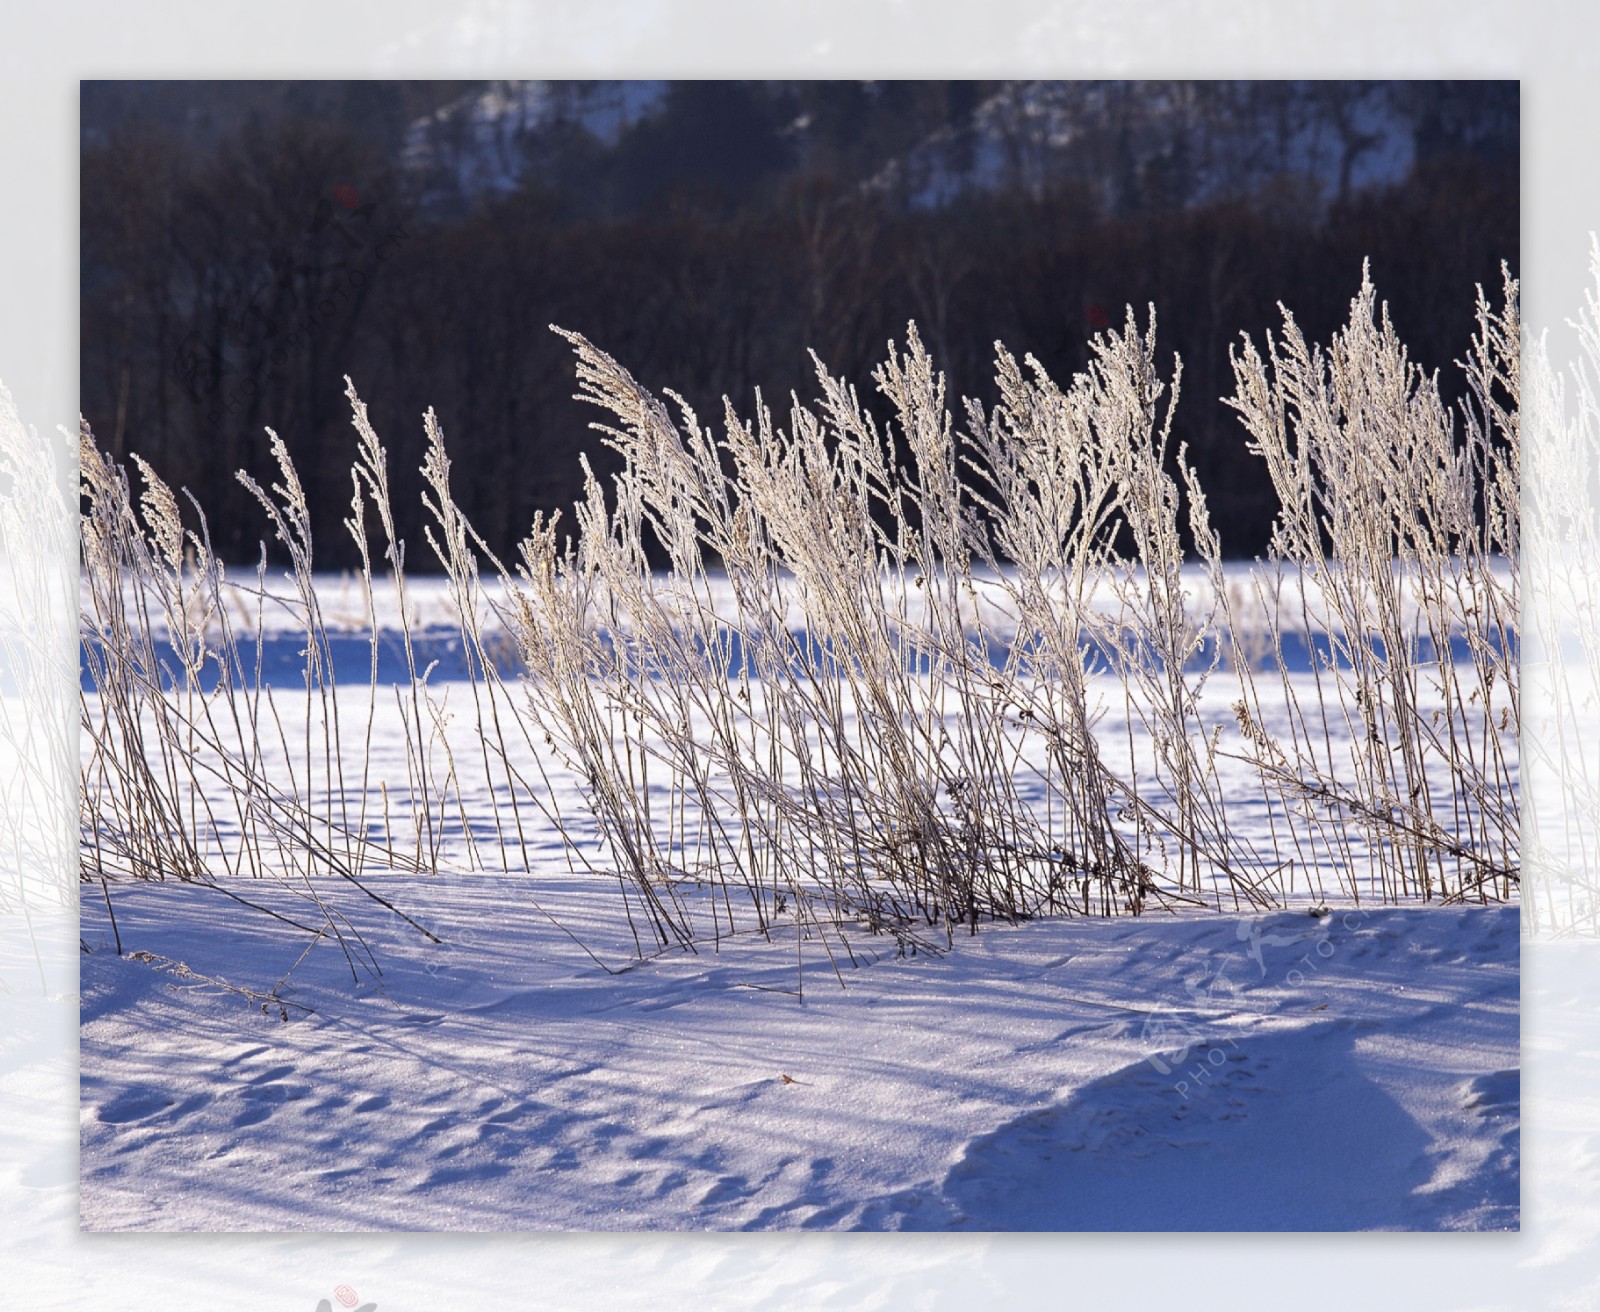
(245, 246)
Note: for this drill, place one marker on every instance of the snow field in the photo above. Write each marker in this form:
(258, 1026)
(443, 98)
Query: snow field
(1057, 1075)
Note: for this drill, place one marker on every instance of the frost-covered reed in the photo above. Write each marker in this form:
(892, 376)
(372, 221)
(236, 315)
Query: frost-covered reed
(813, 671)
(1398, 537)
(1561, 491)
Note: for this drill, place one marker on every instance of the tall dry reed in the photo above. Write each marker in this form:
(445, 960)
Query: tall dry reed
(827, 671)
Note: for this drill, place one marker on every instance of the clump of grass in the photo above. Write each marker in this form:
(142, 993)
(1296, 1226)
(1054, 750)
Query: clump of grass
(869, 687)
(38, 699)
(1561, 487)
(812, 685)
(193, 769)
(1398, 539)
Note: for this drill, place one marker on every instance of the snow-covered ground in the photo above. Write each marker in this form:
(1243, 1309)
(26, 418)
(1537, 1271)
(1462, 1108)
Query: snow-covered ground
(1209, 1070)
(1352, 1071)
(1550, 1264)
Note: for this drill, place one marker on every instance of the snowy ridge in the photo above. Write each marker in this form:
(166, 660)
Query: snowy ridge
(478, 141)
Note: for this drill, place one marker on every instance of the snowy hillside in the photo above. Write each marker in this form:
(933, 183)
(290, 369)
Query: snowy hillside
(1184, 143)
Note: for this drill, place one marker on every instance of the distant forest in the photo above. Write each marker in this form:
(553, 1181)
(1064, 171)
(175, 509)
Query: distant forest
(246, 245)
